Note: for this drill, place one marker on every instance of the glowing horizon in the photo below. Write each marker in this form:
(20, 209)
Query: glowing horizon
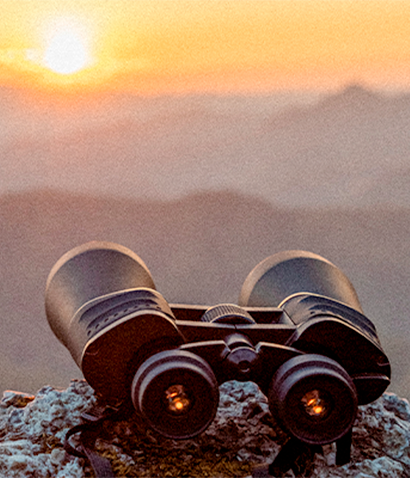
(220, 46)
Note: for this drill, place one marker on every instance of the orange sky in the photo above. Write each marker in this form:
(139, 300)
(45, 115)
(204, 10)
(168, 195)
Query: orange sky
(168, 46)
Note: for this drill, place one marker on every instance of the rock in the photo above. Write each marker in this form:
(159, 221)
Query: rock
(243, 434)
(17, 399)
(32, 435)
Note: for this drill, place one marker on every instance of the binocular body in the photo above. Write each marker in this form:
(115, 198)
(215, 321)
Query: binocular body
(298, 332)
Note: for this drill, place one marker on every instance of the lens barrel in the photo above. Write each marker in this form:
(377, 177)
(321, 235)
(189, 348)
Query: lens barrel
(176, 392)
(288, 273)
(322, 303)
(89, 271)
(102, 304)
(313, 398)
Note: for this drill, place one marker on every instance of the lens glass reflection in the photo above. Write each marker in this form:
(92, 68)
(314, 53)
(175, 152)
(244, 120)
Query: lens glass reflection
(177, 399)
(315, 404)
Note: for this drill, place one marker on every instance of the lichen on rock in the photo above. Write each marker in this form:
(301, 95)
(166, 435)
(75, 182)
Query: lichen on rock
(243, 434)
(32, 430)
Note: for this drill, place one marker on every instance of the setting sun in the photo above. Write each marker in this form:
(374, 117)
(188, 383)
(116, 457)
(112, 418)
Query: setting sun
(187, 46)
(67, 49)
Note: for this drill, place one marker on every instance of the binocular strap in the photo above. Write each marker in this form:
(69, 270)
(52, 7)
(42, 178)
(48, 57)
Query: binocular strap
(296, 455)
(88, 432)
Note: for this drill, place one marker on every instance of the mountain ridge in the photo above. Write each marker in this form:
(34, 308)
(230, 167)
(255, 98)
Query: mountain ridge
(349, 148)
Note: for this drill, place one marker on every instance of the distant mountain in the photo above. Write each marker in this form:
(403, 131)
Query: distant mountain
(199, 249)
(352, 101)
(349, 149)
(353, 95)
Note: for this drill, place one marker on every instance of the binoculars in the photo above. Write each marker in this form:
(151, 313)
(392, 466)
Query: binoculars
(298, 332)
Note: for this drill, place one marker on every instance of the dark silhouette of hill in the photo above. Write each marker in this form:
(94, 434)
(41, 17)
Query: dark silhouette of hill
(199, 249)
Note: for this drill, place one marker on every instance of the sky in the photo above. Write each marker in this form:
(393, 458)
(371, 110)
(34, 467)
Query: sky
(219, 46)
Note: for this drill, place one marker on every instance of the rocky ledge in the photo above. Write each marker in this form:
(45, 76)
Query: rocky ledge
(32, 431)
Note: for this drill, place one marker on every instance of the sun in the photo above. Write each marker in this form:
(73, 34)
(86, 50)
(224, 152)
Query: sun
(67, 49)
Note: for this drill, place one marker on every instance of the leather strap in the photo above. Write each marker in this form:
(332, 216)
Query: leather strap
(88, 432)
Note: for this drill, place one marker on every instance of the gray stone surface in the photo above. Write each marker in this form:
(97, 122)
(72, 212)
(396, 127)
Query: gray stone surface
(32, 431)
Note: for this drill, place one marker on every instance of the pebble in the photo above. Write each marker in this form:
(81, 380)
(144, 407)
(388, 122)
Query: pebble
(57, 456)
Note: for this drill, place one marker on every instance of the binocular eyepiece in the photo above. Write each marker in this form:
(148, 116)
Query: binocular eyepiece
(298, 332)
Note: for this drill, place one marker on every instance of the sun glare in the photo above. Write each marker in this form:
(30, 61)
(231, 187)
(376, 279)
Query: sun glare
(67, 50)
(182, 47)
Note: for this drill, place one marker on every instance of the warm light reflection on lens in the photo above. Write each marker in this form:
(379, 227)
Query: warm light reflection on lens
(315, 405)
(177, 399)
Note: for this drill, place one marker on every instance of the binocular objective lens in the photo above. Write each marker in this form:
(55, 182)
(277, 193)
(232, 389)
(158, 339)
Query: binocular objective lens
(313, 398)
(315, 404)
(177, 399)
(176, 392)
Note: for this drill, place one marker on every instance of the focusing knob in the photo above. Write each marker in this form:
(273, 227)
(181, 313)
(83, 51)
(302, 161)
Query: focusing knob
(227, 314)
(242, 356)
(242, 361)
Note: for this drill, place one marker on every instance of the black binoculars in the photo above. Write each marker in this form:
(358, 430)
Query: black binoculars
(298, 332)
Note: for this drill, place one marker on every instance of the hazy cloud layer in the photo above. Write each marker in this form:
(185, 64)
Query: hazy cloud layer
(347, 149)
